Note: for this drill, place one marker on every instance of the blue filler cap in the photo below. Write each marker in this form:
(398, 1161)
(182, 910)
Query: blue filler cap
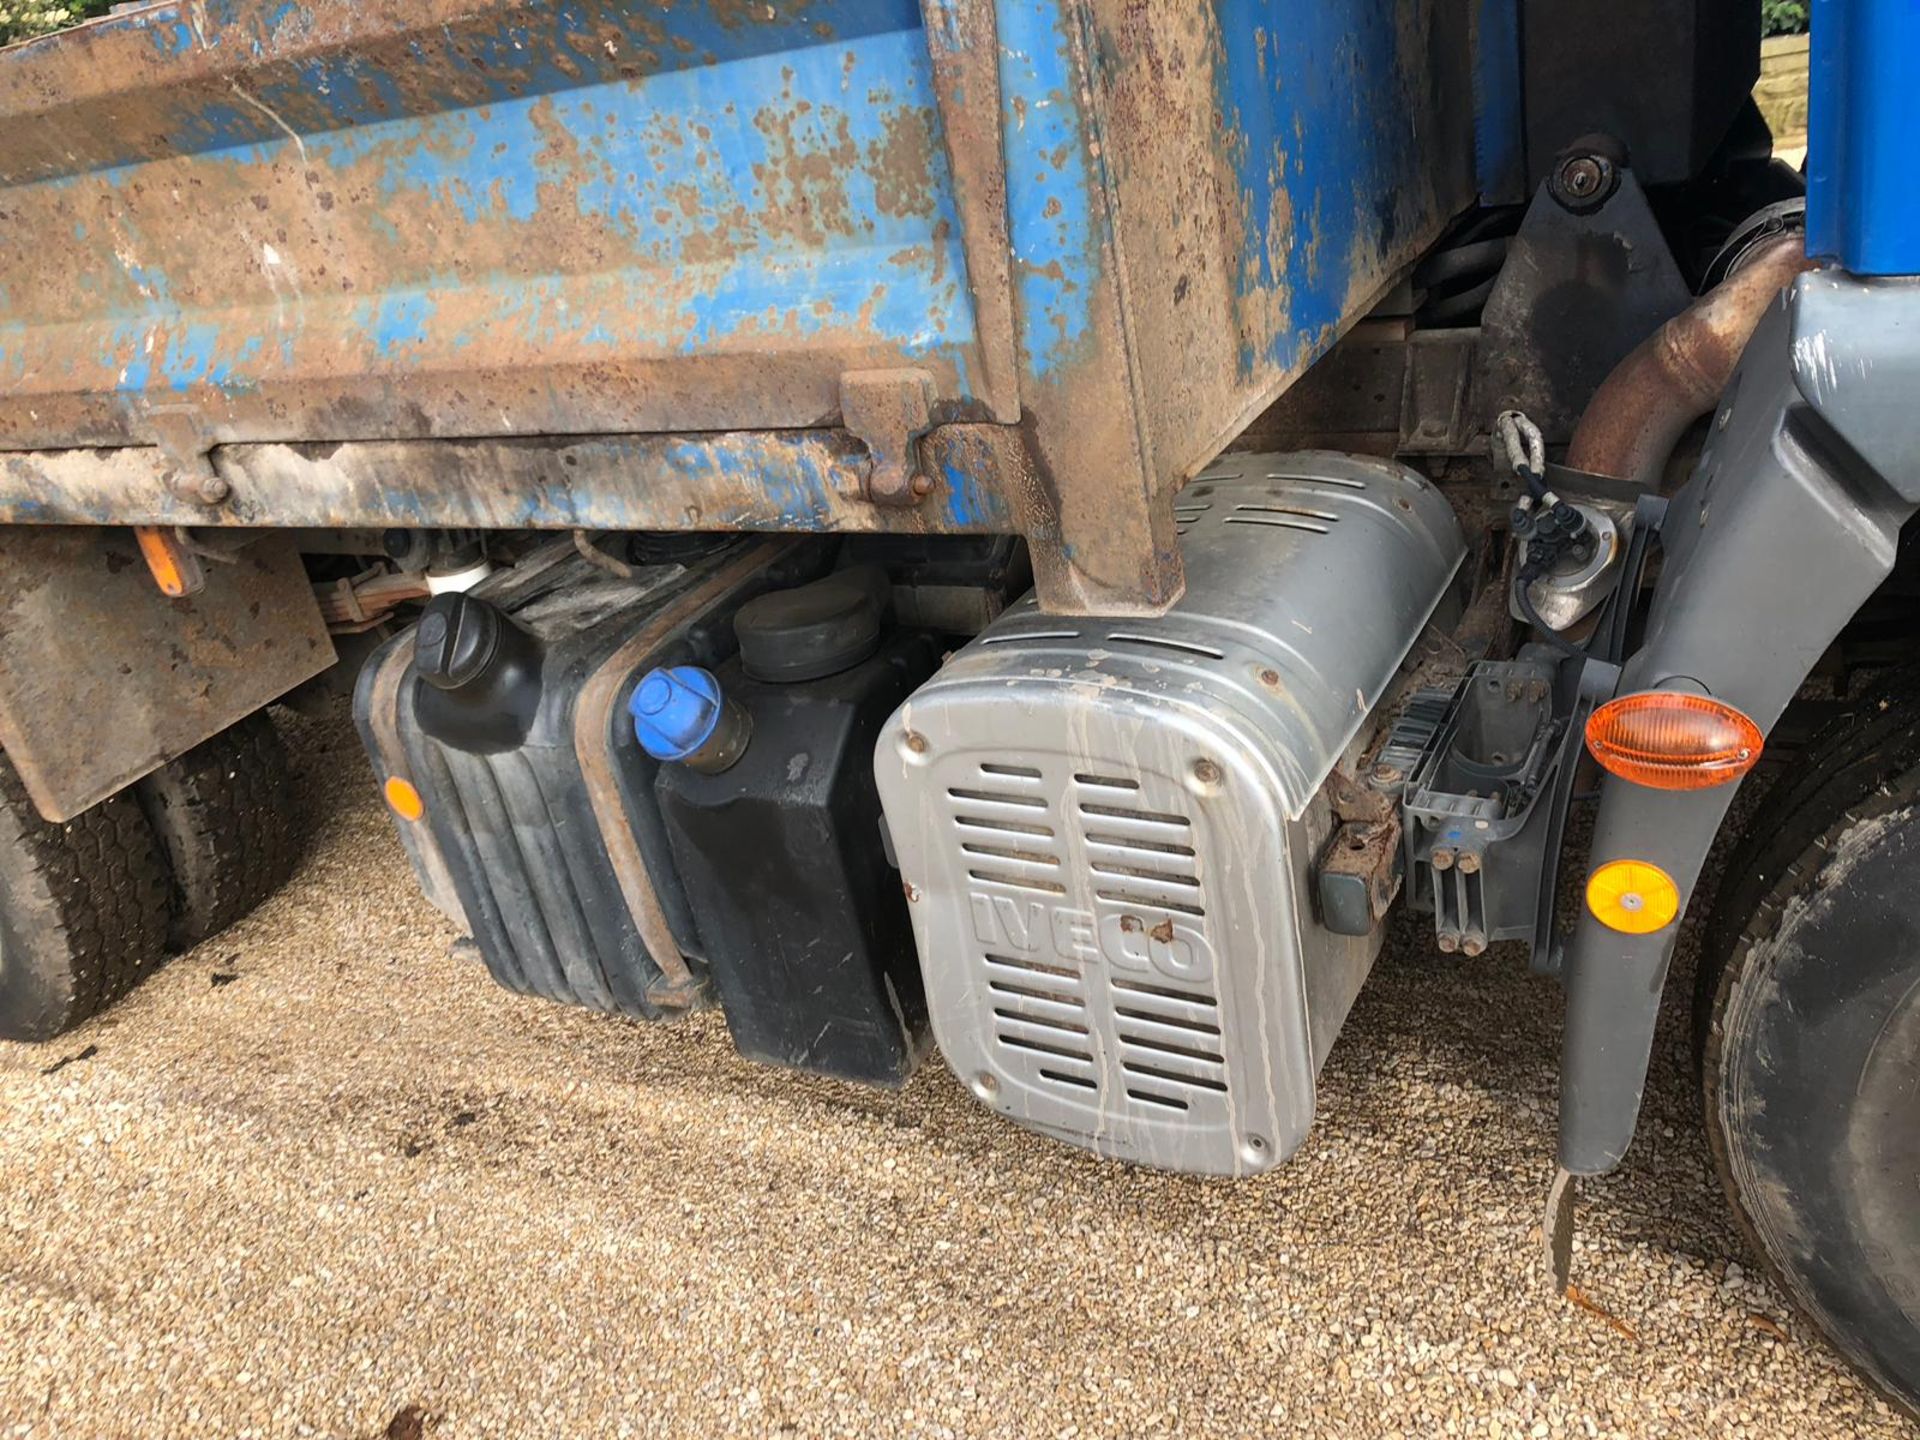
(675, 710)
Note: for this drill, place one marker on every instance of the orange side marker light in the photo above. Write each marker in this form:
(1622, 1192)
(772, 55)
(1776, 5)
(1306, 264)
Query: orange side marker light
(1669, 740)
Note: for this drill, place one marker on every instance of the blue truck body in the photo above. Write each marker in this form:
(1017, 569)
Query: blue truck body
(1072, 247)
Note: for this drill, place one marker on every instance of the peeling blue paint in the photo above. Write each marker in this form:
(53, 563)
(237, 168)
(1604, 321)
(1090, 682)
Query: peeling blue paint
(719, 224)
(171, 35)
(398, 321)
(189, 358)
(1055, 223)
(1324, 158)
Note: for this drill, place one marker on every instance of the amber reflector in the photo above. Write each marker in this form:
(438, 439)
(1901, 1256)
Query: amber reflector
(1672, 741)
(404, 799)
(1634, 897)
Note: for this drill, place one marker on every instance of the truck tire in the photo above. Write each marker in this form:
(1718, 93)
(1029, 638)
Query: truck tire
(83, 911)
(222, 820)
(1808, 1022)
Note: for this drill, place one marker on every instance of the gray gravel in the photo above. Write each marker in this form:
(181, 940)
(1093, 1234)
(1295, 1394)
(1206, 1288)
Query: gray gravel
(357, 1190)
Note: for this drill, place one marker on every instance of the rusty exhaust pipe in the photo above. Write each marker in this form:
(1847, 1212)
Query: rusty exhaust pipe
(1675, 375)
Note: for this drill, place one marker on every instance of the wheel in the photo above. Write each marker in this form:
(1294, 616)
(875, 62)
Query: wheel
(83, 910)
(1809, 1026)
(222, 820)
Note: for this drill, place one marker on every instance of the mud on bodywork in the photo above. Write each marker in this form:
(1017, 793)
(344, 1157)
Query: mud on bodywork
(311, 221)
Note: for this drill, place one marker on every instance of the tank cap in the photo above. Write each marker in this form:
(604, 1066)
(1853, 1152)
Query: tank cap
(456, 640)
(675, 710)
(814, 630)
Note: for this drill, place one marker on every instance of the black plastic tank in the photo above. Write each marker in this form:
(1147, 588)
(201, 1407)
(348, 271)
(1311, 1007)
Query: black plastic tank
(782, 853)
(505, 709)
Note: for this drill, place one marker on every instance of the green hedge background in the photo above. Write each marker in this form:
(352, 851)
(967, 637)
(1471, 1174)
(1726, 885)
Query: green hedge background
(20, 19)
(1783, 17)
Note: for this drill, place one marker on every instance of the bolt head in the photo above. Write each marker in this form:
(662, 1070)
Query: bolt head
(1207, 772)
(1469, 863)
(1584, 181)
(1581, 175)
(1441, 859)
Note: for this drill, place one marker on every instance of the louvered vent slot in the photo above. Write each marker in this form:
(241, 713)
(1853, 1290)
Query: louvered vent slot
(1336, 481)
(1298, 512)
(1162, 642)
(1003, 832)
(1040, 1017)
(1170, 1044)
(1280, 522)
(1021, 637)
(1187, 513)
(1143, 858)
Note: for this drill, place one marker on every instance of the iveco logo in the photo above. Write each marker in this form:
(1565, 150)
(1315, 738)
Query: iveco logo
(1176, 947)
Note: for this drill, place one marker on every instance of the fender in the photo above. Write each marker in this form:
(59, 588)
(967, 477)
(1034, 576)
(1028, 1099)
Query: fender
(1789, 523)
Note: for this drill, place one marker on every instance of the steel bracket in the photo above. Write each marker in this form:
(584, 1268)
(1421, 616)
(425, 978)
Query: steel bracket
(186, 442)
(888, 411)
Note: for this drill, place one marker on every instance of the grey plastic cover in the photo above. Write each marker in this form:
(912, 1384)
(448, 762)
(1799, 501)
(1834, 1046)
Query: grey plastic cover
(1098, 822)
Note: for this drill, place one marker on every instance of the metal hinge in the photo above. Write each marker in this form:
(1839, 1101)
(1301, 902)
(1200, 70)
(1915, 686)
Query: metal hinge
(888, 411)
(184, 438)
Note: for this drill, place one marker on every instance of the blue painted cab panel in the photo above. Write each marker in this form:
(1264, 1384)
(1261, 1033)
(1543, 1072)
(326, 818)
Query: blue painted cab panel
(1863, 207)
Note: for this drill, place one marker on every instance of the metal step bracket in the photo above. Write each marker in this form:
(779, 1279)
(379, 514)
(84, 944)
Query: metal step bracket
(1475, 831)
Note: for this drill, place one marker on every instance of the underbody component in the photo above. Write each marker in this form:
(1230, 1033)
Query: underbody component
(506, 710)
(1476, 827)
(102, 678)
(1107, 830)
(1675, 375)
(804, 928)
(1579, 290)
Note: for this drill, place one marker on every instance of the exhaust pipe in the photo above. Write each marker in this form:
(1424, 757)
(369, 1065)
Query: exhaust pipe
(1675, 375)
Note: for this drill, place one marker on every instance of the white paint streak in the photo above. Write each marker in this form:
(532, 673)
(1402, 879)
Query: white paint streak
(273, 115)
(1813, 357)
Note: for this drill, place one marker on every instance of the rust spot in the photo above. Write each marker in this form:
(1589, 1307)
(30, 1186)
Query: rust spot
(902, 181)
(1132, 924)
(1163, 932)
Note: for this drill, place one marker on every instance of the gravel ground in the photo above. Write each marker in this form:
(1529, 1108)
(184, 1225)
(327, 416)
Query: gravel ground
(321, 1177)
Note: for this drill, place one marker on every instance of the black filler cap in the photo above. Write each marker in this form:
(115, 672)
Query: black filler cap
(814, 630)
(456, 641)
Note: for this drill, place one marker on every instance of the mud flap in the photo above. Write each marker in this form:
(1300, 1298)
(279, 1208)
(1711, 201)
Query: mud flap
(104, 679)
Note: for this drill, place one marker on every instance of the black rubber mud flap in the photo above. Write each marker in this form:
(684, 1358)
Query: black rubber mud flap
(221, 815)
(1808, 1020)
(83, 910)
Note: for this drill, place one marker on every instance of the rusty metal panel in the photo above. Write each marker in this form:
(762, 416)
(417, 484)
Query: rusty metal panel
(1204, 199)
(1113, 232)
(103, 679)
(783, 480)
(1277, 168)
(374, 219)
